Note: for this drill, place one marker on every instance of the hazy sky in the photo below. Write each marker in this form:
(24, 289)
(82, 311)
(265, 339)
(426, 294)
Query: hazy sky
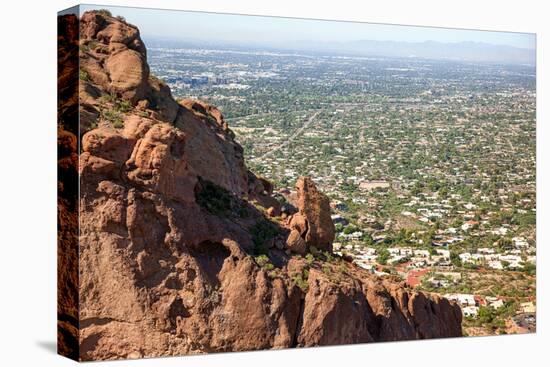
(221, 27)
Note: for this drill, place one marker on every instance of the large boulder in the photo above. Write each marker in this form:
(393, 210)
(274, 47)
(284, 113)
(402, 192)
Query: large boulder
(128, 74)
(114, 56)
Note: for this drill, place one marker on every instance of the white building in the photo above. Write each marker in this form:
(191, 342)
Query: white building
(466, 257)
(520, 242)
(470, 311)
(463, 299)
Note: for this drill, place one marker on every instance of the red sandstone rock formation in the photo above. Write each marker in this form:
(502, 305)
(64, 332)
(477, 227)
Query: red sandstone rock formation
(67, 186)
(312, 226)
(169, 237)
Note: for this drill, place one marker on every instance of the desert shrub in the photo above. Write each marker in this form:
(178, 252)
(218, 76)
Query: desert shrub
(213, 198)
(118, 124)
(328, 256)
(92, 45)
(118, 104)
(113, 117)
(264, 262)
(327, 270)
(300, 279)
(262, 231)
(315, 252)
(261, 260)
(123, 106)
(104, 12)
(108, 98)
(83, 75)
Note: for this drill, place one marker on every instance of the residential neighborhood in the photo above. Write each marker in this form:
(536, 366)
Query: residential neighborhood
(429, 164)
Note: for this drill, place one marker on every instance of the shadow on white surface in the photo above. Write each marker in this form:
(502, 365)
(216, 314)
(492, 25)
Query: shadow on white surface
(48, 345)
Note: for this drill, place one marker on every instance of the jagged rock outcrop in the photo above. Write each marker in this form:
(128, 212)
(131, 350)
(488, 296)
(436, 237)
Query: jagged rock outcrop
(171, 226)
(116, 85)
(312, 225)
(119, 60)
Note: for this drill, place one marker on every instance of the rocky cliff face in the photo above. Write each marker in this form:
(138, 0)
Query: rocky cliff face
(183, 250)
(67, 184)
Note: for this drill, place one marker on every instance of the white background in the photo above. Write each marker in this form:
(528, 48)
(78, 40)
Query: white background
(28, 182)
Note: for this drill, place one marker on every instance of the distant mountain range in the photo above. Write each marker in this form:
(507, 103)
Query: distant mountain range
(460, 51)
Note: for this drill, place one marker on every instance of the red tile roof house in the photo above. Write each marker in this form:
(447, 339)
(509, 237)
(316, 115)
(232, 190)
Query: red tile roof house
(480, 301)
(414, 277)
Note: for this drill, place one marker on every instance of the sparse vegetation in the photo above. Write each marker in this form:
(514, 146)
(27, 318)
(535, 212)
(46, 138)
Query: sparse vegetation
(118, 104)
(118, 124)
(113, 108)
(264, 262)
(261, 232)
(301, 280)
(123, 105)
(92, 45)
(104, 12)
(113, 116)
(83, 75)
(108, 98)
(212, 197)
(493, 320)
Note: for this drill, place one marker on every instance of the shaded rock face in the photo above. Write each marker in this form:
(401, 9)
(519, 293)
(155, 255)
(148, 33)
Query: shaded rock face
(67, 185)
(171, 223)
